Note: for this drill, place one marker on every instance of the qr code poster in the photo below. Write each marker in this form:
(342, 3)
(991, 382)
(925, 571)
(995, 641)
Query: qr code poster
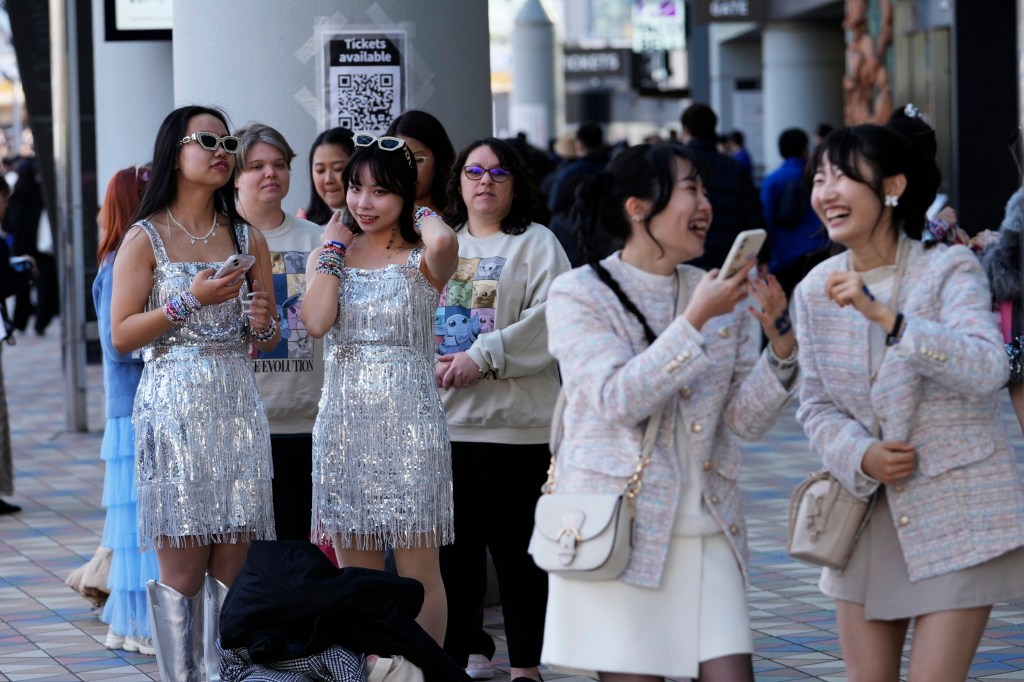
(364, 80)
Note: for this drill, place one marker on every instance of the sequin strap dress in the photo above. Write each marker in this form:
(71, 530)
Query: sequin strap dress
(202, 444)
(381, 456)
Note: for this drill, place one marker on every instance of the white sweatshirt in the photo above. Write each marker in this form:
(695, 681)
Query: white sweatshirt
(493, 308)
(291, 376)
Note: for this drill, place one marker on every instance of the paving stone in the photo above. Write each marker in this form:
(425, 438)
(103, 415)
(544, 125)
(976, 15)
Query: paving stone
(47, 632)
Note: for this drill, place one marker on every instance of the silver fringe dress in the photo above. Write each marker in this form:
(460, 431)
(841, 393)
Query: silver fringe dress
(381, 457)
(202, 443)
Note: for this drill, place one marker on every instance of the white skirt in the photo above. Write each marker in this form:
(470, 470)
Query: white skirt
(698, 614)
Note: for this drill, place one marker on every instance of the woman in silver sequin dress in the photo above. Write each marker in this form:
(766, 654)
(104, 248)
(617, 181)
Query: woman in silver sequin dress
(381, 458)
(203, 467)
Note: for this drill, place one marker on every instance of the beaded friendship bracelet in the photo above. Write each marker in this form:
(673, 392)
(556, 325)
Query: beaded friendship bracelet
(331, 259)
(178, 308)
(265, 334)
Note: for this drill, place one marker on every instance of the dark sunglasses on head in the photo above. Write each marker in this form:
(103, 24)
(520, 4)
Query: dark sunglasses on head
(498, 174)
(387, 143)
(210, 142)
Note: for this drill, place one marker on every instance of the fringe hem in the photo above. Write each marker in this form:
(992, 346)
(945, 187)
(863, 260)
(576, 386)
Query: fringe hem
(379, 542)
(233, 537)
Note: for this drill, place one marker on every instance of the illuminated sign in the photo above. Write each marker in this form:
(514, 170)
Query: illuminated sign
(659, 25)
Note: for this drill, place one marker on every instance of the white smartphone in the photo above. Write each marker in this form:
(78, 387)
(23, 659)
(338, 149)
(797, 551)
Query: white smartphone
(236, 265)
(747, 245)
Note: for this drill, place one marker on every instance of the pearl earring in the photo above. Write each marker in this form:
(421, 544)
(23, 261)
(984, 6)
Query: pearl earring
(637, 218)
(892, 200)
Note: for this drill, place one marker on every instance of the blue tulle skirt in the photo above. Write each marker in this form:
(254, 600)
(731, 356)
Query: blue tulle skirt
(130, 569)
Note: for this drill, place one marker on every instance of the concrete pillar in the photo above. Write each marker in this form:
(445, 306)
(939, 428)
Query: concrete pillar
(730, 63)
(803, 80)
(134, 88)
(536, 74)
(264, 60)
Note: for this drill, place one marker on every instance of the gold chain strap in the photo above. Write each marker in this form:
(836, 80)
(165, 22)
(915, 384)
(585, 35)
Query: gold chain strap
(635, 483)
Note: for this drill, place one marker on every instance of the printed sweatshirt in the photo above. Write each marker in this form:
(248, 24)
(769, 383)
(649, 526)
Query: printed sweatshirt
(493, 308)
(291, 375)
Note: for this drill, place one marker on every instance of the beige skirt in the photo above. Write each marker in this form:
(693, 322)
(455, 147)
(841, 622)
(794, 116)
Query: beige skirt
(877, 577)
(698, 614)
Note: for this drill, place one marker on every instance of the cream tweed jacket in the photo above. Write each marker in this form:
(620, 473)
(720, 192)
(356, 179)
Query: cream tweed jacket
(937, 389)
(613, 381)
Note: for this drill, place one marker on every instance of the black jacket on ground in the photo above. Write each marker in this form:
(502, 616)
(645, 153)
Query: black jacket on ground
(290, 601)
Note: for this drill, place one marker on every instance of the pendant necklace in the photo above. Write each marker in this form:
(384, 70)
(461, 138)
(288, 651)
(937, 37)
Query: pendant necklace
(391, 241)
(206, 238)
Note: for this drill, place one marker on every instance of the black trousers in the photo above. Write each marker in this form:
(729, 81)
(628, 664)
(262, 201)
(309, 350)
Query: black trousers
(496, 487)
(293, 484)
(47, 304)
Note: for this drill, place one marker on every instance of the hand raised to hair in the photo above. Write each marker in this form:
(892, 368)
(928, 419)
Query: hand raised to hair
(337, 231)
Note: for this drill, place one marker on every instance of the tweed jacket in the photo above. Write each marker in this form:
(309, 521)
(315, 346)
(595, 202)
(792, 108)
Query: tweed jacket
(613, 381)
(937, 389)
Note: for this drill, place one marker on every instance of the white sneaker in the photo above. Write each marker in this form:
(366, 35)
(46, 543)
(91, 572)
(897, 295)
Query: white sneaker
(142, 645)
(113, 640)
(479, 667)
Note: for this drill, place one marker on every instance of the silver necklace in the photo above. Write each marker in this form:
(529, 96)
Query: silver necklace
(205, 239)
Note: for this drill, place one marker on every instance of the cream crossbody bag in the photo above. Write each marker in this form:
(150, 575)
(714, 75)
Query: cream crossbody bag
(589, 536)
(826, 519)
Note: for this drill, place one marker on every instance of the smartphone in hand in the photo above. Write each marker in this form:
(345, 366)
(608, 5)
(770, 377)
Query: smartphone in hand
(746, 246)
(235, 265)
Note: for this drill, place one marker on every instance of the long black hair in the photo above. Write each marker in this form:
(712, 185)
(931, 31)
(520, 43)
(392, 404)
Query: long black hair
(525, 196)
(317, 210)
(393, 170)
(162, 187)
(644, 171)
(883, 152)
(428, 130)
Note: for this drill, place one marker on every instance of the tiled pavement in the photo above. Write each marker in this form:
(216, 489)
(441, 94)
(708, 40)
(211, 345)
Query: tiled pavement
(48, 632)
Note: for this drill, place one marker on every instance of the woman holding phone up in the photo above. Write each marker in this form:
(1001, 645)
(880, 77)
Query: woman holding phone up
(639, 335)
(202, 441)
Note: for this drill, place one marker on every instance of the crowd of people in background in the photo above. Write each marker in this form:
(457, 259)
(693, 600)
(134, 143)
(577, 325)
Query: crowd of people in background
(379, 375)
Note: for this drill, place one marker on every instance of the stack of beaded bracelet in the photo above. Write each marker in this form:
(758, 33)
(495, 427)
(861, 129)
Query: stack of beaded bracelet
(265, 334)
(332, 259)
(178, 308)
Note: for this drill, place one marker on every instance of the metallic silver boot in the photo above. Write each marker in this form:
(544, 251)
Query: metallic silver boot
(216, 591)
(177, 625)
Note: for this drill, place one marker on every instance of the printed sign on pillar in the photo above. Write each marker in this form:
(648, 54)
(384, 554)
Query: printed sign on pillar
(365, 88)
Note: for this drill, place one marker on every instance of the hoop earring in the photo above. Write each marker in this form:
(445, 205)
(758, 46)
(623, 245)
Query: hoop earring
(892, 200)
